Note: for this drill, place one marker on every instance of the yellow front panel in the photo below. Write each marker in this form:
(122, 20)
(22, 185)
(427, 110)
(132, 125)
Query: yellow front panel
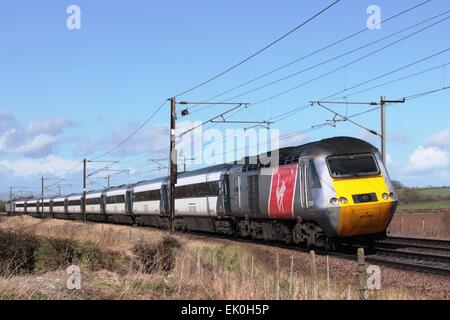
(362, 218)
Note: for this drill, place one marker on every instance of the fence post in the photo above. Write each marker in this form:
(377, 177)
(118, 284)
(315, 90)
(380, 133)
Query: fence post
(314, 272)
(277, 277)
(291, 275)
(328, 276)
(402, 226)
(198, 266)
(252, 272)
(362, 275)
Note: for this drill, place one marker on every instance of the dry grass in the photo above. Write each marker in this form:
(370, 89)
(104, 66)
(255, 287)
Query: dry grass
(183, 267)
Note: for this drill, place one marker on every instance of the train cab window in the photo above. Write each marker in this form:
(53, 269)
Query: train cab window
(353, 166)
(313, 177)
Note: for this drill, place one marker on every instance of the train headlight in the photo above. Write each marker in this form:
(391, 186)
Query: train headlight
(385, 196)
(343, 200)
(392, 195)
(334, 201)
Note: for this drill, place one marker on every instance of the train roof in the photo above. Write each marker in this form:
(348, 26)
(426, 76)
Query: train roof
(216, 168)
(94, 191)
(328, 147)
(145, 182)
(325, 147)
(121, 187)
(287, 155)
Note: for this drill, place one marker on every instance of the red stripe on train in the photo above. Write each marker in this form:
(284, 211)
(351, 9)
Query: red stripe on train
(282, 191)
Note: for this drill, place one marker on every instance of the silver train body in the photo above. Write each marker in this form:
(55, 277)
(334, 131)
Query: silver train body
(316, 194)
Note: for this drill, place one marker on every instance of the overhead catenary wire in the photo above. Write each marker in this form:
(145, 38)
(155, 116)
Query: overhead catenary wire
(317, 51)
(318, 126)
(375, 78)
(259, 51)
(348, 64)
(327, 124)
(270, 98)
(128, 138)
(292, 112)
(395, 80)
(426, 93)
(363, 56)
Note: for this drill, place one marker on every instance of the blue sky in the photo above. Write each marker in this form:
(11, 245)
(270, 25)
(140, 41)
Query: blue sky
(69, 94)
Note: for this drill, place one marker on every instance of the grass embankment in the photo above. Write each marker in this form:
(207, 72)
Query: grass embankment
(119, 262)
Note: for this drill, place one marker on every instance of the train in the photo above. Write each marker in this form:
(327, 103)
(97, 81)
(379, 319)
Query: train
(319, 194)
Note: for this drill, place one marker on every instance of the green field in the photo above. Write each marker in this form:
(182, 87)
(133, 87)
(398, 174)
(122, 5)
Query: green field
(424, 206)
(424, 198)
(435, 192)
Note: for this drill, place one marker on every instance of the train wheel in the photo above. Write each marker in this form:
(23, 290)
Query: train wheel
(330, 245)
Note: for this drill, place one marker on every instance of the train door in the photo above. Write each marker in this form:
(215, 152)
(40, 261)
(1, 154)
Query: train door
(226, 193)
(306, 169)
(238, 193)
(129, 202)
(103, 204)
(212, 192)
(304, 196)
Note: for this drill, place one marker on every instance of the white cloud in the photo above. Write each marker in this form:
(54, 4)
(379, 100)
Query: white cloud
(427, 158)
(6, 121)
(51, 126)
(441, 139)
(39, 145)
(35, 139)
(150, 139)
(31, 167)
(5, 139)
(390, 160)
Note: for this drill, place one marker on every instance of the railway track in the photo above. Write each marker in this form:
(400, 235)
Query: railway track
(418, 254)
(420, 243)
